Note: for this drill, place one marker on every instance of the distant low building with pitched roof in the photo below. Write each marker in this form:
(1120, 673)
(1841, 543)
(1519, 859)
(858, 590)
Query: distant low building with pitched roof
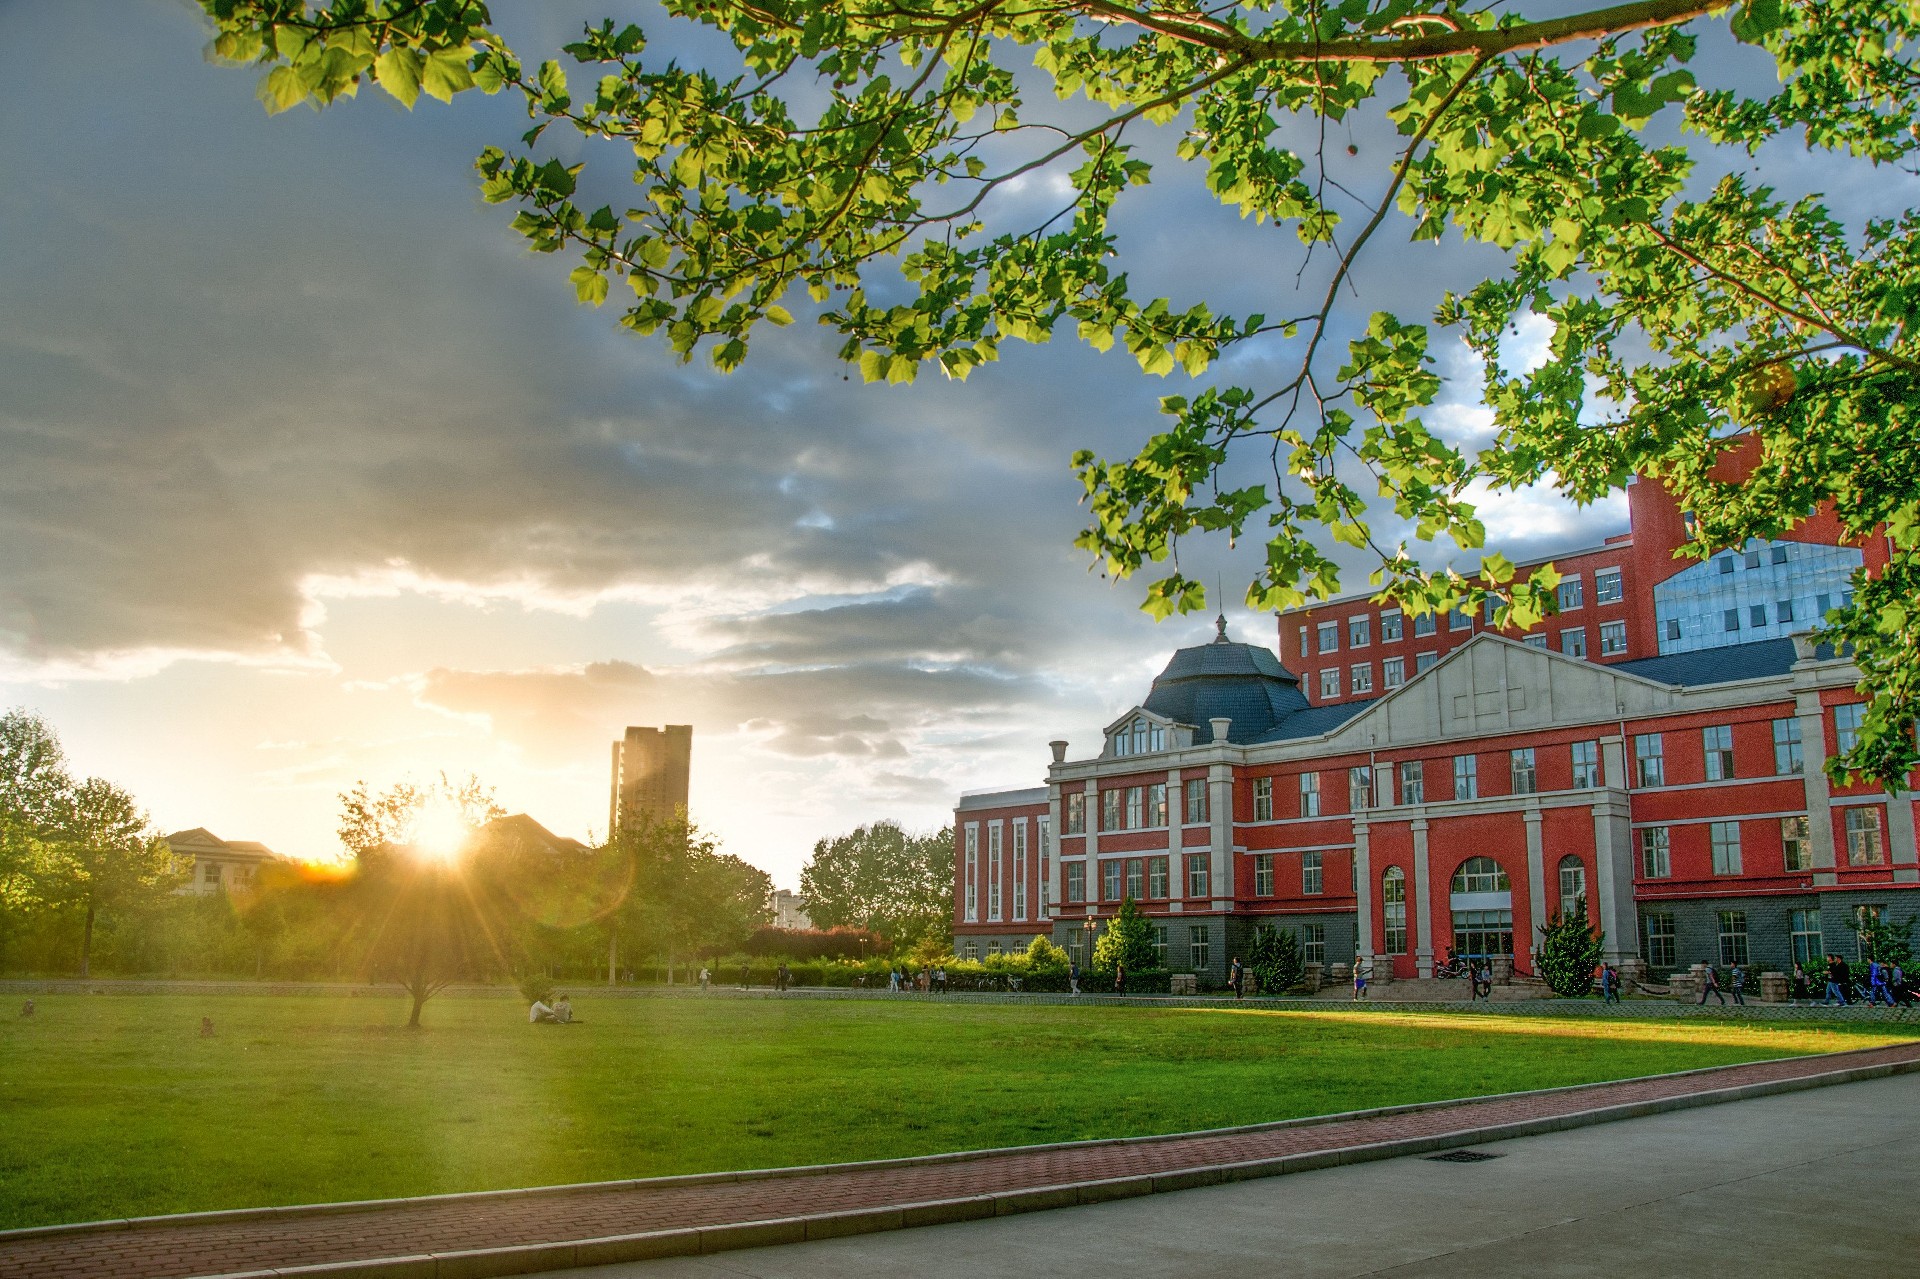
(217, 864)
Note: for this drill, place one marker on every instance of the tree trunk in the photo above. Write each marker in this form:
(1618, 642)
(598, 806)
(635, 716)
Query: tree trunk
(669, 968)
(419, 994)
(86, 944)
(613, 955)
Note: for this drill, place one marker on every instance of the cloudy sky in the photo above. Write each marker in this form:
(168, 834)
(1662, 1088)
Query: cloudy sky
(309, 473)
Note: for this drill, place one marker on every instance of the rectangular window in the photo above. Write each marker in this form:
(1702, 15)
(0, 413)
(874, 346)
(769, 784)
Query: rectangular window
(993, 948)
(1197, 799)
(1157, 878)
(1536, 640)
(1309, 795)
(1310, 874)
(972, 878)
(1649, 760)
(1425, 624)
(1263, 799)
(1586, 765)
(1359, 632)
(1757, 614)
(1786, 747)
(1136, 807)
(1725, 838)
(1303, 641)
(1461, 619)
(1359, 788)
(1570, 594)
(1864, 847)
(1110, 801)
(1796, 848)
(1783, 611)
(1726, 565)
(1659, 933)
(1573, 641)
(1393, 914)
(1110, 879)
(1076, 881)
(1197, 875)
(1313, 944)
(1779, 554)
(1413, 782)
(1606, 587)
(1423, 662)
(1389, 625)
(1263, 874)
(1846, 725)
(1730, 620)
(1136, 879)
(1329, 637)
(1656, 853)
(1393, 672)
(1753, 559)
(1160, 945)
(1717, 742)
(1492, 609)
(1330, 683)
(973, 951)
(1043, 835)
(993, 870)
(1521, 767)
(1157, 804)
(1020, 869)
(1733, 936)
(1466, 777)
(1076, 812)
(1360, 678)
(1613, 638)
(1673, 628)
(1804, 928)
(1199, 953)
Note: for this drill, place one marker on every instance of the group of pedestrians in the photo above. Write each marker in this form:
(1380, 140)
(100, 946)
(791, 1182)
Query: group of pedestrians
(928, 981)
(1736, 984)
(1881, 983)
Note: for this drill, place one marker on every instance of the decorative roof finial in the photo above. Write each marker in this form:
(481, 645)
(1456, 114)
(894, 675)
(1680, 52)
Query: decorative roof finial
(1220, 622)
(1220, 629)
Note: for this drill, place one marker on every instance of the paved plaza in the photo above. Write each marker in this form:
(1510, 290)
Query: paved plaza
(1805, 1184)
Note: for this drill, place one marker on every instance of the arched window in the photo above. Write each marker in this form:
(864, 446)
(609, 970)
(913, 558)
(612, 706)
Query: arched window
(1393, 907)
(1573, 886)
(1480, 875)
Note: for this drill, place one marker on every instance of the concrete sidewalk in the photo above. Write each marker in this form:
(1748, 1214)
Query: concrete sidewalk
(1807, 1185)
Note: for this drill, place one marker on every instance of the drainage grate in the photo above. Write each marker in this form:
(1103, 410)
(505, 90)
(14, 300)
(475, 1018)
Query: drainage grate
(1464, 1157)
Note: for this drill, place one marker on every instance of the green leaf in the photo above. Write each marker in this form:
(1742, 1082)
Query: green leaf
(398, 72)
(446, 73)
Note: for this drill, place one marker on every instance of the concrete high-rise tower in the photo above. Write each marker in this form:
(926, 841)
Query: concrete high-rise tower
(650, 767)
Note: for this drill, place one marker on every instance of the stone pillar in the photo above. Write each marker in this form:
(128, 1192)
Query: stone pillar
(1422, 921)
(1813, 754)
(1775, 988)
(1900, 845)
(1220, 846)
(1613, 763)
(1176, 832)
(1055, 876)
(1613, 878)
(1536, 881)
(1362, 895)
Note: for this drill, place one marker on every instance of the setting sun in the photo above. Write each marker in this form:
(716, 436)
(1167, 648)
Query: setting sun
(440, 831)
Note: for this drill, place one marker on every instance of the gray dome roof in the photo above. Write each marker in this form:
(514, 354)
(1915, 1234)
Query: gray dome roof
(1224, 679)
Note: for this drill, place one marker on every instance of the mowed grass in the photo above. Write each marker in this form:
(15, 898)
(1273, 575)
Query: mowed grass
(114, 1106)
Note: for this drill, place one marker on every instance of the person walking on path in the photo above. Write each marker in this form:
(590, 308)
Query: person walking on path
(1710, 985)
(1739, 984)
(1359, 980)
(1802, 986)
(1609, 984)
(706, 979)
(746, 976)
(1877, 983)
(1237, 978)
(1119, 978)
(1836, 982)
(1073, 975)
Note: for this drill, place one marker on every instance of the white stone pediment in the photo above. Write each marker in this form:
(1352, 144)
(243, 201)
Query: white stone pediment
(1492, 685)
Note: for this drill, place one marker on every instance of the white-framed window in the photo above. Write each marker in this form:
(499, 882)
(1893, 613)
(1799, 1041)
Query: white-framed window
(1110, 811)
(993, 870)
(1787, 758)
(1656, 853)
(1733, 936)
(1313, 944)
(1796, 845)
(973, 951)
(1586, 765)
(1359, 789)
(1864, 845)
(1309, 795)
(1607, 588)
(1157, 878)
(1425, 624)
(1076, 881)
(1330, 683)
(1136, 879)
(1310, 874)
(1110, 879)
(1393, 911)
(1329, 637)
(1157, 804)
(1413, 782)
(1263, 799)
(1359, 632)
(1803, 926)
(1043, 835)
(1717, 742)
(1570, 593)
(1424, 662)
(1198, 875)
(971, 879)
(1573, 641)
(1197, 799)
(1573, 885)
(1846, 725)
(1389, 625)
(1360, 678)
(1160, 945)
(1263, 874)
(1613, 638)
(994, 948)
(1020, 869)
(1393, 672)
(1520, 765)
(1461, 619)
(1649, 759)
(1660, 943)
(1076, 812)
(1199, 952)
(1466, 777)
(1724, 837)
(1136, 807)
(1537, 639)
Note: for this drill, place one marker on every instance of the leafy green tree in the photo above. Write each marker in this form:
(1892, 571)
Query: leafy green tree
(1274, 959)
(881, 878)
(1570, 949)
(1590, 153)
(685, 897)
(425, 923)
(34, 786)
(1042, 953)
(371, 819)
(1884, 940)
(103, 857)
(1127, 940)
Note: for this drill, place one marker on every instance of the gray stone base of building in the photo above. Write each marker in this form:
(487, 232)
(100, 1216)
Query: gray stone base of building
(1769, 927)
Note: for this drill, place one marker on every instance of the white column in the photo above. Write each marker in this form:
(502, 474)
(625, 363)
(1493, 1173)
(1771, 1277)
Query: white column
(1900, 844)
(1093, 846)
(1052, 850)
(1813, 754)
(1536, 880)
(1422, 900)
(1220, 847)
(1362, 895)
(1613, 878)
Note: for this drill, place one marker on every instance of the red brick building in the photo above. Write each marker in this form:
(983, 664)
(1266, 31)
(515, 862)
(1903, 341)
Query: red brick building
(1653, 750)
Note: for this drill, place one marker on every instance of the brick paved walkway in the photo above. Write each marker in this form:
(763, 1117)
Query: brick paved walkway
(255, 1241)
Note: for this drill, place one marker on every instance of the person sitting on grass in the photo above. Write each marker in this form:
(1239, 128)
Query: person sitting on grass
(541, 1011)
(563, 1010)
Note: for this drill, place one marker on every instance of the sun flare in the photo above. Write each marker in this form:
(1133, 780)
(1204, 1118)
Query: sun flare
(440, 831)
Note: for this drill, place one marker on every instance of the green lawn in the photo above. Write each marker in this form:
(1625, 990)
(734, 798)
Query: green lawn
(114, 1106)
